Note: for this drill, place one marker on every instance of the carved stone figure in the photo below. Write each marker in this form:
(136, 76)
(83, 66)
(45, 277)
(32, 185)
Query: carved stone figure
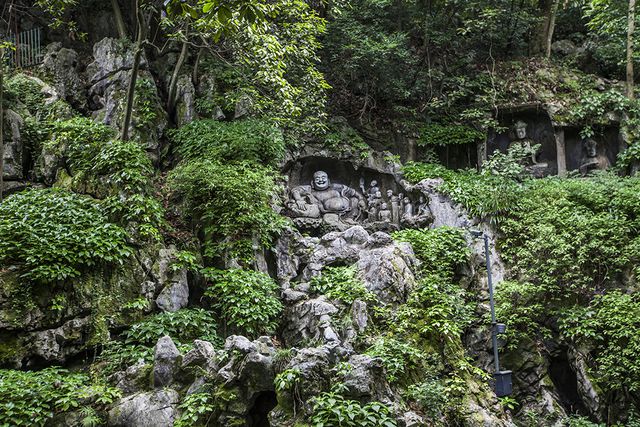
(591, 159)
(385, 214)
(536, 168)
(408, 210)
(395, 209)
(322, 197)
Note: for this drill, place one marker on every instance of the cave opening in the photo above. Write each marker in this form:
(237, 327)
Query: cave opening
(258, 415)
(566, 382)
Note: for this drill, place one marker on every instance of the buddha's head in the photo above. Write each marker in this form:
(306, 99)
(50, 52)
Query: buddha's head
(320, 181)
(591, 147)
(521, 129)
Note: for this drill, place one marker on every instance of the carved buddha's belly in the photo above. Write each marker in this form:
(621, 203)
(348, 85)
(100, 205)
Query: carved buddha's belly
(332, 201)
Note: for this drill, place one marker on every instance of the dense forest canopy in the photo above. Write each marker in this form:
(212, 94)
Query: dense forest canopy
(266, 212)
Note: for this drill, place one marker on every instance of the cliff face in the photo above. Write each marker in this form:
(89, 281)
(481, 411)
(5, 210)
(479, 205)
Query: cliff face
(364, 303)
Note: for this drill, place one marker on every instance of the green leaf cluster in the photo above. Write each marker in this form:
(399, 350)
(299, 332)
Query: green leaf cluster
(436, 134)
(52, 234)
(248, 301)
(331, 409)
(254, 140)
(231, 203)
(33, 398)
(342, 284)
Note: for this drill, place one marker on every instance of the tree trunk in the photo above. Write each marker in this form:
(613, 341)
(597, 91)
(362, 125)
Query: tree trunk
(173, 85)
(631, 23)
(544, 36)
(122, 29)
(134, 73)
(550, 27)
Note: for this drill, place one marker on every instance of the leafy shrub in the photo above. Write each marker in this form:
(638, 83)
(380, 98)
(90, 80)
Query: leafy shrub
(449, 134)
(512, 163)
(231, 202)
(437, 311)
(182, 326)
(400, 359)
(195, 408)
(32, 398)
(119, 171)
(53, 234)
(487, 196)
(20, 88)
(254, 140)
(441, 250)
(330, 409)
(610, 324)
(342, 284)
(431, 395)
(247, 300)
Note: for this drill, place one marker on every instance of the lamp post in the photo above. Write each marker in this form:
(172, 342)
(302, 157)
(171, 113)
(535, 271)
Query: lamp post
(503, 385)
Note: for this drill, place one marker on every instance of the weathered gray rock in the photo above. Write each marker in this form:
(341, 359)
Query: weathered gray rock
(388, 271)
(185, 105)
(239, 343)
(174, 284)
(13, 150)
(55, 345)
(367, 379)
(63, 65)
(156, 408)
(175, 295)
(359, 315)
(202, 355)
(135, 378)
(309, 320)
(166, 360)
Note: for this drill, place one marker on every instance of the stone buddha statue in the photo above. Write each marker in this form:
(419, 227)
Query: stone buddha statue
(592, 159)
(323, 197)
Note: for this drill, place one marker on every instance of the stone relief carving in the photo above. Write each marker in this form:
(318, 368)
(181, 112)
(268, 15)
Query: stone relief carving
(535, 167)
(340, 206)
(591, 159)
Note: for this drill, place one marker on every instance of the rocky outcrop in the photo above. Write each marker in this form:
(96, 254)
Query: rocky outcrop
(156, 408)
(63, 65)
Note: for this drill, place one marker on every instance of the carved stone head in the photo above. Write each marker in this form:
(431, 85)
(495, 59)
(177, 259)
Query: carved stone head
(521, 129)
(320, 181)
(591, 147)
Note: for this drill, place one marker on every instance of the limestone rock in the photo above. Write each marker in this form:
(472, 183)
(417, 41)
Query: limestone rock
(55, 345)
(185, 106)
(156, 408)
(166, 360)
(63, 65)
(202, 355)
(367, 379)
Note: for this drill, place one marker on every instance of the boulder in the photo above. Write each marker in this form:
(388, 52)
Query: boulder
(158, 408)
(63, 66)
(166, 360)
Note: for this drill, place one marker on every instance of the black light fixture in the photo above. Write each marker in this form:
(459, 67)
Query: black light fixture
(503, 384)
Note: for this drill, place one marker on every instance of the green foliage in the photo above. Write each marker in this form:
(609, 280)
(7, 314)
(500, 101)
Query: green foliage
(345, 139)
(449, 134)
(231, 202)
(145, 102)
(342, 284)
(330, 409)
(437, 311)
(119, 171)
(441, 250)
(512, 163)
(195, 409)
(432, 395)
(400, 359)
(32, 398)
(487, 196)
(21, 88)
(246, 300)
(246, 140)
(54, 234)
(182, 326)
(610, 324)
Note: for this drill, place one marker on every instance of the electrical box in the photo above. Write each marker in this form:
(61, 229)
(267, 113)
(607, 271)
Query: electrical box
(503, 385)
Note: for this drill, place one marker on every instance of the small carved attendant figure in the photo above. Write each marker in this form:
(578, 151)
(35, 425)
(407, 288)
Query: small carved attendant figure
(385, 213)
(407, 216)
(395, 209)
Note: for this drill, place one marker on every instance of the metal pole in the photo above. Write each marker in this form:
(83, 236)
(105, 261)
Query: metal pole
(494, 332)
